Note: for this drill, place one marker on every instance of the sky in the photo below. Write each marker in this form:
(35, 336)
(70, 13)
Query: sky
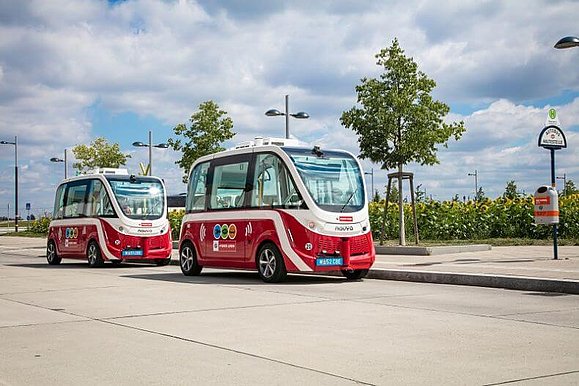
(71, 71)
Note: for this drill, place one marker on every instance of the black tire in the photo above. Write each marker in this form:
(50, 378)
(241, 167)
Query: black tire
(93, 255)
(188, 260)
(163, 262)
(270, 264)
(356, 274)
(51, 255)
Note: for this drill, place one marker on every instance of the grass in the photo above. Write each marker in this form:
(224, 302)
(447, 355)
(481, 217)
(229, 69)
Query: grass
(24, 234)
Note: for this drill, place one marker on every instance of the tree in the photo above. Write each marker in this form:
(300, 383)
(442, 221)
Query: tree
(569, 188)
(480, 195)
(99, 154)
(511, 190)
(376, 197)
(398, 121)
(209, 128)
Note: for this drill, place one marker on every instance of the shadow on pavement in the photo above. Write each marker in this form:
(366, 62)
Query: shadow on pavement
(83, 264)
(248, 278)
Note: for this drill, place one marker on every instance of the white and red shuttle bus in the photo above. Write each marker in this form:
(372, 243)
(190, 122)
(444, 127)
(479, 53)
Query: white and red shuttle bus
(275, 207)
(109, 215)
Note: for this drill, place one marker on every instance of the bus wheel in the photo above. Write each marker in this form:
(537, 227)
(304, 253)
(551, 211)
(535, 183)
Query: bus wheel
(51, 255)
(355, 274)
(188, 260)
(270, 264)
(93, 255)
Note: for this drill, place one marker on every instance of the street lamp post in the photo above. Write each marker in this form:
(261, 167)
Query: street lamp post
(151, 146)
(371, 173)
(56, 159)
(275, 113)
(475, 174)
(15, 143)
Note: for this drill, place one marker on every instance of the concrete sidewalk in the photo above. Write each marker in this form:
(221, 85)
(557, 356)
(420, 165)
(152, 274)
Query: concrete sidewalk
(526, 268)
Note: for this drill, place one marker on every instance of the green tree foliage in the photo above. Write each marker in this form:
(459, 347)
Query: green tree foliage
(209, 127)
(569, 188)
(398, 121)
(480, 195)
(99, 154)
(376, 197)
(511, 190)
(394, 194)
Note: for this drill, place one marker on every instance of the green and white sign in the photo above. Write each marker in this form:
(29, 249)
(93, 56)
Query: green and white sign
(552, 118)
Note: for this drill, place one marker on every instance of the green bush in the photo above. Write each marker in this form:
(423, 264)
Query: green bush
(456, 220)
(40, 225)
(175, 218)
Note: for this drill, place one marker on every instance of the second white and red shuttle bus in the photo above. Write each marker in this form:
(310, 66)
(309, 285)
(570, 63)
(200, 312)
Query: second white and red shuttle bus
(110, 216)
(277, 208)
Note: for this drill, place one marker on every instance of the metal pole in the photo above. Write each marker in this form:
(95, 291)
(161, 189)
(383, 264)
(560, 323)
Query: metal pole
(16, 183)
(287, 116)
(372, 196)
(554, 185)
(150, 153)
(65, 165)
(476, 184)
(402, 230)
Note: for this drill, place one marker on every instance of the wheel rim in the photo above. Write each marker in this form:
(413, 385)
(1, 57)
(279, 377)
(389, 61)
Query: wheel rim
(186, 258)
(92, 254)
(50, 252)
(267, 263)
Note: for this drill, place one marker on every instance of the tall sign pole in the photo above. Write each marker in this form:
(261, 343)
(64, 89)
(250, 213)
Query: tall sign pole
(553, 138)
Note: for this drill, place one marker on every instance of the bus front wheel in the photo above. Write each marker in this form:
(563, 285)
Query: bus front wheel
(93, 255)
(188, 260)
(355, 274)
(51, 255)
(270, 264)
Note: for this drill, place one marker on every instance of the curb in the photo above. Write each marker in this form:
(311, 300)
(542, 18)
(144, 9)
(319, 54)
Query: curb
(429, 251)
(520, 283)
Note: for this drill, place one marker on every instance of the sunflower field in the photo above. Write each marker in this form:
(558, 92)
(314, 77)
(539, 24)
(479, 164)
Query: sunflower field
(470, 220)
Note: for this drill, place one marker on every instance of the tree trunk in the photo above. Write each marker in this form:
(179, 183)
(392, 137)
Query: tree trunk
(401, 207)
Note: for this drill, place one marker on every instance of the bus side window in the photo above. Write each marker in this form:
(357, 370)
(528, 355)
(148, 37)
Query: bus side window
(272, 184)
(75, 200)
(59, 203)
(197, 188)
(98, 203)
(228, 185)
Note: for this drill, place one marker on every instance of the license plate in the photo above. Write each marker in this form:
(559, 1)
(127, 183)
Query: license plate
(132, 252)
(329, 261)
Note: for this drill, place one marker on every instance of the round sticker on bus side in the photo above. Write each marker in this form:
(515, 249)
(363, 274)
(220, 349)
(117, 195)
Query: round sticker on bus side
(224, 231)
(217, 231)
(232, 231)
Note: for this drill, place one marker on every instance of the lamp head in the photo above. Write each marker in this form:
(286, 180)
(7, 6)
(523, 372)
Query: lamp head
(300, 115)
(139, 144)
(567, 42)
(273, 113)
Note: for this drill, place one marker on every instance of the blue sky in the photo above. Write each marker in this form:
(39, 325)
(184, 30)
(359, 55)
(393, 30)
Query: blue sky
(74, 70)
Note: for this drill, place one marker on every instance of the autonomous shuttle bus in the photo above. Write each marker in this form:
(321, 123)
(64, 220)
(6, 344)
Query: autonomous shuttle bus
(109, 215)
(271, 206)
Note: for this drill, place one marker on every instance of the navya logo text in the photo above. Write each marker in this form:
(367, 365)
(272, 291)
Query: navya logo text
(224, 231)
(344, 228)
(71, 233)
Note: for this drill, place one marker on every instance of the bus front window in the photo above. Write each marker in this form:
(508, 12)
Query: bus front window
(333, 179)
(140, 198)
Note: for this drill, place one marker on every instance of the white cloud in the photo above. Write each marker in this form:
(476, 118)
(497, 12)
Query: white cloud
(162, 58)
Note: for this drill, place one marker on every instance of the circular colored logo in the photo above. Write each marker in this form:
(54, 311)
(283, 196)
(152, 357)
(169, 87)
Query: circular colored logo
(232, 231)
(71, 233)
(224, 231)
(217, 231)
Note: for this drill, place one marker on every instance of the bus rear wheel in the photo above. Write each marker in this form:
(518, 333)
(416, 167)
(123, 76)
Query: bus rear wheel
(188, 260)
(355, 274)
(51, 255)
(270, 264)
(93, 255)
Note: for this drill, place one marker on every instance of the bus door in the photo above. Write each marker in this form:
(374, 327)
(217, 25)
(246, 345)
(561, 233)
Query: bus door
(228, 194)
(72, 239)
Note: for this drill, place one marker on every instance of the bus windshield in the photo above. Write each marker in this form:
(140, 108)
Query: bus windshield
(139, 198)
(332, 178)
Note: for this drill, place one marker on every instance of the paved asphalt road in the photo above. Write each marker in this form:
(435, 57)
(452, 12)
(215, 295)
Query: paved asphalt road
(139, 324)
